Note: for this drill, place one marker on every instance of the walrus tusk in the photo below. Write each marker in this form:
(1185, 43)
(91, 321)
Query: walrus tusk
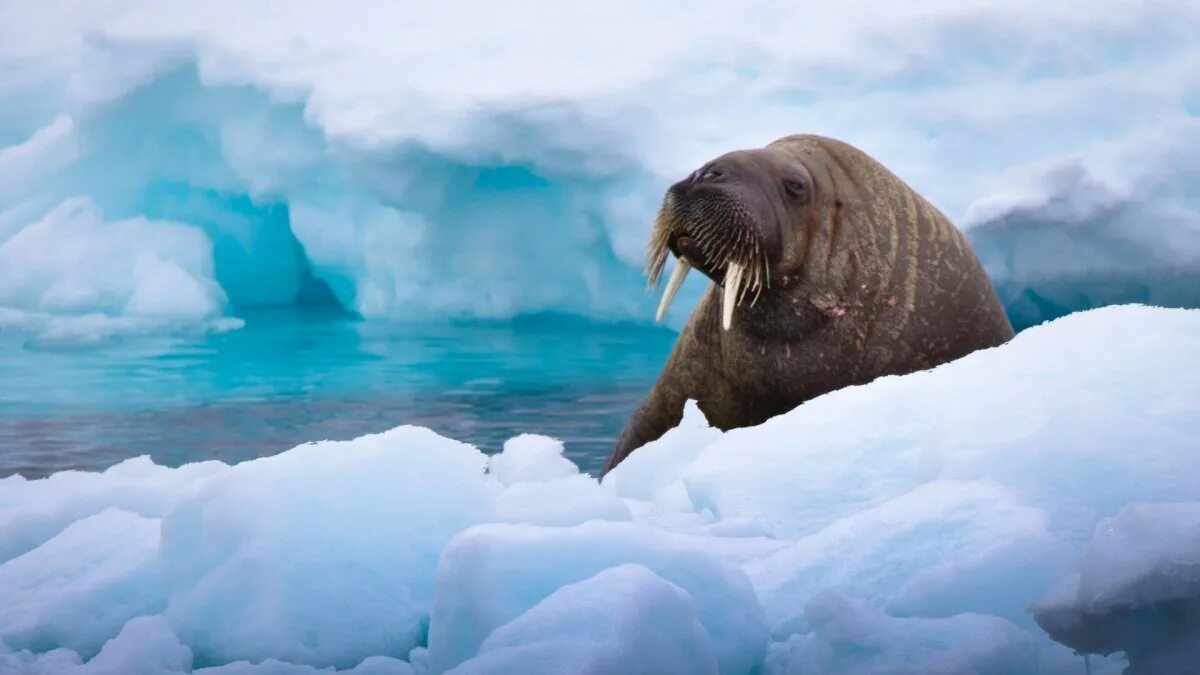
(681, 269)
(733, 280)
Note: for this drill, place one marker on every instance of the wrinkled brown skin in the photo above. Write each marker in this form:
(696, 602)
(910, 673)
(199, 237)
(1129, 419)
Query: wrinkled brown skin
(869, 280)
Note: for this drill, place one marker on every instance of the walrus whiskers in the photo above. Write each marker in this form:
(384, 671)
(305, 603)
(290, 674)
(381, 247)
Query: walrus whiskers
(719, 239)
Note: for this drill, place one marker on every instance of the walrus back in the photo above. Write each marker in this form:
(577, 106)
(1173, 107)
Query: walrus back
(924, 295)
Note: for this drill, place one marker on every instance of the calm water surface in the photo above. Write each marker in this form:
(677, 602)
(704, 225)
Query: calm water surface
(291, 376)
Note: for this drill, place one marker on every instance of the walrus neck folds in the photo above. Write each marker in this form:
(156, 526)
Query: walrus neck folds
(782, 314)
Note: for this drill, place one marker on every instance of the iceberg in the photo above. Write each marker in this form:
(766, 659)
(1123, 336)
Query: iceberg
(1018, 510)
(412, 164)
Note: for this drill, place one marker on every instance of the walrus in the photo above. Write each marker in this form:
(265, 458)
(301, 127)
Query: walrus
(827, 271)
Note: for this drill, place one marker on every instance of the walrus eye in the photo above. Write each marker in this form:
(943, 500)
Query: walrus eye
(795, 188)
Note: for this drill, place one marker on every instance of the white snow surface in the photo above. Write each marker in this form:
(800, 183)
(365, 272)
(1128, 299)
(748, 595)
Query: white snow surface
(905, 526)
(229, 152)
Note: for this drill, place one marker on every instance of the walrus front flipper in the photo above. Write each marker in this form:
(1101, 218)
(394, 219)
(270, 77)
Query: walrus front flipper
(653, 418)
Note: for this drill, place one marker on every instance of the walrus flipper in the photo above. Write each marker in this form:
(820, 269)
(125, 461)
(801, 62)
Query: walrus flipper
(653, 418)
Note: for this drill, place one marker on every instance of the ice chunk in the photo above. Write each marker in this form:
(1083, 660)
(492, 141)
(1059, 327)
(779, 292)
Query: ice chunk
(491, 574)
(419, 659)
(33, 511)
(1137, 590)
(74, 261)
(562, 501)
(43, 329)
(656, 466)
(1145, 554)
(1096, 398)
(851, 636)
(78, 589)
(382, 665)
(625, 619)
(530, 458)
(25, 662)
(266, 667)
(538, 485)
(322, 555)
(146, 646)
(375, 665)
(933, 552)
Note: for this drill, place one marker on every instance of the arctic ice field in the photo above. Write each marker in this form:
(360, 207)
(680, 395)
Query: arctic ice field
(168, 169)
(948, 521)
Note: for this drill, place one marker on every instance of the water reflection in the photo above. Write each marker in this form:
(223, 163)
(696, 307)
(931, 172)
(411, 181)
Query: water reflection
(291, 376)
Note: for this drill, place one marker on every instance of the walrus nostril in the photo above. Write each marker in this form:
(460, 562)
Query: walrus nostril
(681, 188)
(711, 173)
(704, 175)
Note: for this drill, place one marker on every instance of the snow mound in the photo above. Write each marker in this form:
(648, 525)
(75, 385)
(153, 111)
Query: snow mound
(954, 520)
(491, 574)
(254, 567)
(530, 458)
(600, 626)
(78, 589)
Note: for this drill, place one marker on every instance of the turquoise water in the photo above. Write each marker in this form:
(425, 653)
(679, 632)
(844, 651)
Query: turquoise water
(291, 376)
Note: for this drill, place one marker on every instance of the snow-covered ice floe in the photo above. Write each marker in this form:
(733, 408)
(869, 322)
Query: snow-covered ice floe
(940, 522)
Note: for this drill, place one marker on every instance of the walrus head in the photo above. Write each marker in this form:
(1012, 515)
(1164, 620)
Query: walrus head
(732, 220)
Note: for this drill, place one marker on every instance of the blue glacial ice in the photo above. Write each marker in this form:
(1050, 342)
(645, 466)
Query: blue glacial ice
(161, 168)
(939, 522)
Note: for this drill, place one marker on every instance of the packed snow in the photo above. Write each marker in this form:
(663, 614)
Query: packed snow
(398, 159)
(930, 523)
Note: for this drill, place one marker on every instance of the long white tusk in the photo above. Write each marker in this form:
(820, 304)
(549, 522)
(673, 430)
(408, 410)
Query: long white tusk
(733, 279)
(681, 269)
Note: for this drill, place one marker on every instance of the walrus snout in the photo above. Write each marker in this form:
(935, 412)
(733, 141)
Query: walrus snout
(717, 220)
(718, 235)
(710, 174)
